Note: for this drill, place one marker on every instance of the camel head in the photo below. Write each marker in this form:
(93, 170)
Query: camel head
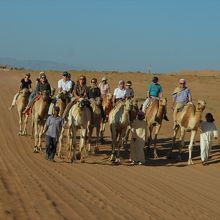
(82, 103)
(163, 101)
(128, 104)
(45, 95)
(24, 92)
(201, 104)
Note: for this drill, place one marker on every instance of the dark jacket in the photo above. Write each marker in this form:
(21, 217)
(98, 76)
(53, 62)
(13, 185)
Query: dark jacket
(94, 92)
(43, 87)
(82, 92)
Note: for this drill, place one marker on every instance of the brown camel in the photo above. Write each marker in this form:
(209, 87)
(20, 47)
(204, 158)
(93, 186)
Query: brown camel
(119, 121)
(21, 103)
(107, 105)
(154, 115)
(96, 123)
(79, 118)
(62, 103)
(39, 114)
(188, 120)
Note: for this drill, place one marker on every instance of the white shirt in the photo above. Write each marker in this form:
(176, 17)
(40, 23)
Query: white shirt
(65, 85)
(119, 93)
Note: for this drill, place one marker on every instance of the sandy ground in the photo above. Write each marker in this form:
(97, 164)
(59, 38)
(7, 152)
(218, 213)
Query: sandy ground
(33, 188)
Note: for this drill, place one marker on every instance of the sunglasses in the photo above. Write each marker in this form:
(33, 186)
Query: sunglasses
(93, 82)
(182, 83)
(43, 77)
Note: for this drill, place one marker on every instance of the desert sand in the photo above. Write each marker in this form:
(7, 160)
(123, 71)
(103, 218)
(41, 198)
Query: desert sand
(34, 188)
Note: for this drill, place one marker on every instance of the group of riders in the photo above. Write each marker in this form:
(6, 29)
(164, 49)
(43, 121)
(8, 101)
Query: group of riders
(70, 91)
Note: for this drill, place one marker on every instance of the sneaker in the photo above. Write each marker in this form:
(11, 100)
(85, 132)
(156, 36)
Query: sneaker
(140, 163)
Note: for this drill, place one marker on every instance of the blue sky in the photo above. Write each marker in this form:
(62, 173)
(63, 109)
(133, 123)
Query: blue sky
(126, 35)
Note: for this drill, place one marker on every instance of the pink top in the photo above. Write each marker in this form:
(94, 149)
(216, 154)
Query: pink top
(105, 88)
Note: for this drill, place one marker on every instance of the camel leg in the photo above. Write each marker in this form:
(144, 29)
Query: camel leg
(155, 141)
(102, 130)
(114, 137)
(96, 149)
(193, 134)
(25, 125)
(20, 123)
(182, 144)
(82, 144)
(125, 138)
(90, 138)
(36, 128)
(40, 137)
(119, 144)
(60, 142)
(72, 143)
(149, 141)
(175, 132)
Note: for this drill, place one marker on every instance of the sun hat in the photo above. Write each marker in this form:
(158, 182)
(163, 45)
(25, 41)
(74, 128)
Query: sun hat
(42, 74)
(28, 74)
(128, 83)
(104, 78)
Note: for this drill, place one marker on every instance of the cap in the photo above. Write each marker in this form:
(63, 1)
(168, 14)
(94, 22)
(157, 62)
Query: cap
(65, 73)
(28, 74)
(42, 74)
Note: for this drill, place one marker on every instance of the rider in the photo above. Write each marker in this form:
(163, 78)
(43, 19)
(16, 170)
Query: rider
(119, 93)
(65, 86)
(155, 91)
(42, 85)
(80, 91)
(25, 84)
(129, 90)
(94, 93)
(104, 87)
(181, 96)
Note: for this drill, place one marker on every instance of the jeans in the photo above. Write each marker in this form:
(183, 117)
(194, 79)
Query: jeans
(51, 146)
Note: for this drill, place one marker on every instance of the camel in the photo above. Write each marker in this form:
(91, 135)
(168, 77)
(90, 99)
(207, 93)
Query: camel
(21, 103)
(188, 120)
(79, 118)
(96, 123)
(154, 115)
(119, 121)
(107, 105)
(39, 114)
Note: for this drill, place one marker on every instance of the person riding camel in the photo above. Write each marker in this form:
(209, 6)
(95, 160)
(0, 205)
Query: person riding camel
(155, 91)
(181, 96)
(80, 91)
(104, 87)
(65, 85)
(94, 94)
(25, 84)
(42, 85)
(129, 94)
(119, 93)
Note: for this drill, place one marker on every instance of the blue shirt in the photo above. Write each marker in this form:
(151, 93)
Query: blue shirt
(54, 126)
(182, 96)
(155, 89)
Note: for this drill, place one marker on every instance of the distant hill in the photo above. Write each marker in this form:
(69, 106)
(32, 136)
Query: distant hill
(36, 64)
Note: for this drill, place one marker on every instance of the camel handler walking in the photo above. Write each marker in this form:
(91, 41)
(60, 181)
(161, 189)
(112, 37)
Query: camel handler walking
(181, 96)
(25, 84)
(138, 139)
(208, 133)
(155, 91)
(52, 130)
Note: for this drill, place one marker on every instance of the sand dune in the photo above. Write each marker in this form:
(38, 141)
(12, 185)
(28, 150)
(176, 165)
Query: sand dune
(33, 188)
